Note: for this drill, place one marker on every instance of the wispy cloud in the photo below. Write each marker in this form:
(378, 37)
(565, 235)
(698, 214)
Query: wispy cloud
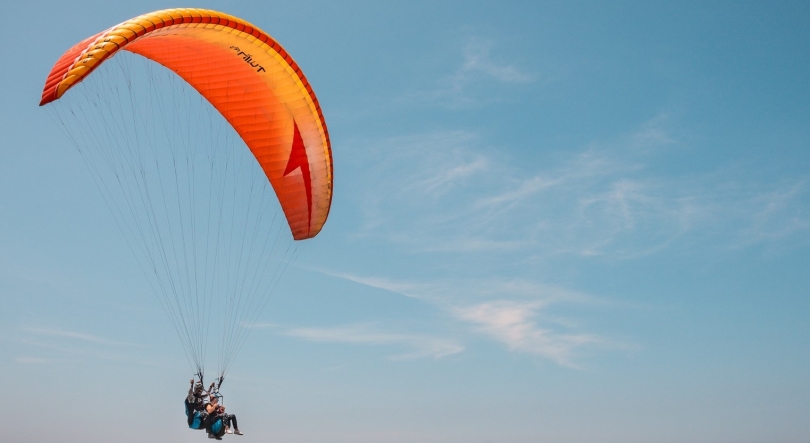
(480, 64)
(454, 291)
(78, 350)
(447, 192)
(80, 336)
(508, 311)
(261, 325)
(478, 61)
(452, 200)
(406, 289)
(442, 181)
(34, 360)
(421, 345)
(515, 325)
(60, 346)
(524, 190)
(776, 213)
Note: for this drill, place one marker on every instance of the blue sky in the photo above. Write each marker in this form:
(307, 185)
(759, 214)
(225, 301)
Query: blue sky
(561, 222)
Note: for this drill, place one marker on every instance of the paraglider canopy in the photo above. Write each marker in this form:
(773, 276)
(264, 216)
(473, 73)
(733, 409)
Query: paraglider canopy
(248, 77)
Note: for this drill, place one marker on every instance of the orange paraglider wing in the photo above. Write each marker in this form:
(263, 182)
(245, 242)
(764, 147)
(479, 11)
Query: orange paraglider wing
(248, 77)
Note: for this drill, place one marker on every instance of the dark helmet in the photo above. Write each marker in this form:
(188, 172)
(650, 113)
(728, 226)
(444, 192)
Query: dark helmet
(198, 387)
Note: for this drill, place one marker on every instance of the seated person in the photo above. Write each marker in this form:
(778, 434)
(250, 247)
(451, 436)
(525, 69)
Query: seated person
(230, 421)
(214, 422)
(219, 422)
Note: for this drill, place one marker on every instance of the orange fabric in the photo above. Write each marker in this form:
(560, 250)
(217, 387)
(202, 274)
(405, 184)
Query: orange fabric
(248, 78)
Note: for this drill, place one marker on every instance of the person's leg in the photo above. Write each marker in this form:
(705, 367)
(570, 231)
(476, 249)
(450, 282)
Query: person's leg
(227, 421)
(234, 425)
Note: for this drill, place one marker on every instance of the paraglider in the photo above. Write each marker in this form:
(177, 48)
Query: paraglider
(171, 165)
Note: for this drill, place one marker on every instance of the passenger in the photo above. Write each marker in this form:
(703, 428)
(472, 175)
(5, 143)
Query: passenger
(215, 422)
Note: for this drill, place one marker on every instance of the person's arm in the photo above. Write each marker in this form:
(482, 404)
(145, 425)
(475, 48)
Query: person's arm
(190, 397)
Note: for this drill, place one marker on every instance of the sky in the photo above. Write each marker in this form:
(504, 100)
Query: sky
(552, 221)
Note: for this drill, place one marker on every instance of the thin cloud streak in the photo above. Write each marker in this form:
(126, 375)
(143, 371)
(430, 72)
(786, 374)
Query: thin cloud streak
(778, 213)
(34, 360)
(423, 346)
(260, 325)
(477, 60)
(89, 338)
(462, 88)
(509, 314)
(524, 190)
(406, 289)
(80, 354)
(452, 291)
(514, 324)
(444, 180)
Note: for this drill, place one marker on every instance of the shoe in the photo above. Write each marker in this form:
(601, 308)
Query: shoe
(218, 438)
(237, 432)
(210, 435)
(228, 431)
